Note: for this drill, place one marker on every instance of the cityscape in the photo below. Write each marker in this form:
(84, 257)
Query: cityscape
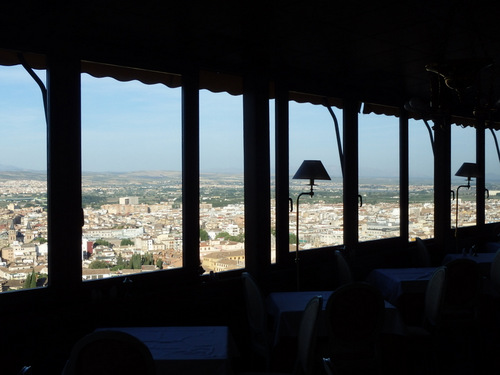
(133, 221)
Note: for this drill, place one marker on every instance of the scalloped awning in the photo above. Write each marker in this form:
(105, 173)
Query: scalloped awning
(215, 82)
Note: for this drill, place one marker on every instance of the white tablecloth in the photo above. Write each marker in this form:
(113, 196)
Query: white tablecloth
(286, 308)
(393, 282)
(483, 261)
(186, 350)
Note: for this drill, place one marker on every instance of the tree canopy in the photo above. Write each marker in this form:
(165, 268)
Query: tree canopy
(96, 264)
(126, 242)
(101, 242)
(30, 281)
(204, 235)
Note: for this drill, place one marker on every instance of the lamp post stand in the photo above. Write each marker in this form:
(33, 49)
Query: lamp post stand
(297, 259)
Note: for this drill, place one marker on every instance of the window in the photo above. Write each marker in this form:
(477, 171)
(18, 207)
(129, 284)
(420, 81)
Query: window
(272, 150)
(222, 206)
(23, 181)
(131, 183)
(421, 180)
(313, 137)
(463, 149)
(378, 177)
(492, 177)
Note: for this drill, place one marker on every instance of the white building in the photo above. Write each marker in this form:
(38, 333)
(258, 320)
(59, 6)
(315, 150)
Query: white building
(129, 200)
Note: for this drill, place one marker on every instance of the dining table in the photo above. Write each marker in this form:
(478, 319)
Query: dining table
(491, 247)
(483, 261)
(186, 349)
(286, 308)
(405, 288)
(395, 282)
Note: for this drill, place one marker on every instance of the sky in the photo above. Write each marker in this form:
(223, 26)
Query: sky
(130, 126)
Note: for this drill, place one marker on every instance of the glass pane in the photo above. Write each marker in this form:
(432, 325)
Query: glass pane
(23, 181)
(272, 151)
(131, 183)
(378, 177)
(492, 177)
(463, 149)
(222, 210)
(421, 176)
(313, 137)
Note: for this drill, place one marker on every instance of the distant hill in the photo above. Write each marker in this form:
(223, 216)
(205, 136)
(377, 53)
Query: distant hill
(22, 175)
(4, 167)
(14, 173)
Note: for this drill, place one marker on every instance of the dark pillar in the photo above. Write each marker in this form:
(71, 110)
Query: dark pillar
(282, 175)
(64, 186)
(257, 173)
(404, 179)
(351, 202)
(191, 172)
(480, 183)
(442, 186)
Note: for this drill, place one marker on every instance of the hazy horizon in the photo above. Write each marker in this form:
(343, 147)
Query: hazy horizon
(155, 173)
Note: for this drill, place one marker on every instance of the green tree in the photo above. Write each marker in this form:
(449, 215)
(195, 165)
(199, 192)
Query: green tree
(159, 263)
(30, 281)
(101, 242)
(204, 235)
(239, 238)
(222, 235)
(136, 262)
(27, 281)
(292, 238)
(126, 242)
(98, 264)
(147, 259)
(120, 262)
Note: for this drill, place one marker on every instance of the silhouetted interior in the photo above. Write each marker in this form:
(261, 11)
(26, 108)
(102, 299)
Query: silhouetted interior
(423, 60)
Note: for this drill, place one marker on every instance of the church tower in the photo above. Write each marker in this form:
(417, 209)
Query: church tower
(12, 233)
(28, 235)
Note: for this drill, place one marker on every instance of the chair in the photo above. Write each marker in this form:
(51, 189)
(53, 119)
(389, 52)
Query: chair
(423, 339)
(495, 273)
(25, 370)
(355, 315)
(461, 302)
(421, 256)
(305, 363)
(109, 352)
(307, 337)
(343, 270)
(260, 339)
(460, 324)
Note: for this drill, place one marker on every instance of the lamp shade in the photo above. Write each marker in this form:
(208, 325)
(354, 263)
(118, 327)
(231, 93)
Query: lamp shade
(468, 170)
(311, 170)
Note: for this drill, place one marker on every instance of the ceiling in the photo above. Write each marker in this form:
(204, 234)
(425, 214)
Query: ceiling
(374, 52)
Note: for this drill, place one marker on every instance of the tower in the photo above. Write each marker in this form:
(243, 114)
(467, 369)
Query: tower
(28, 236)
(12, 232)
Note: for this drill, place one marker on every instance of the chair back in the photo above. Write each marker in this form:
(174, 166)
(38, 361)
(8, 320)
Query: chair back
(355, 315)
(307, 337)
(461, 302)
(421, 256)
(434, 297)
(463, 282)
(343, 270)
(109, 352)
(257, 318)
(495, 273)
